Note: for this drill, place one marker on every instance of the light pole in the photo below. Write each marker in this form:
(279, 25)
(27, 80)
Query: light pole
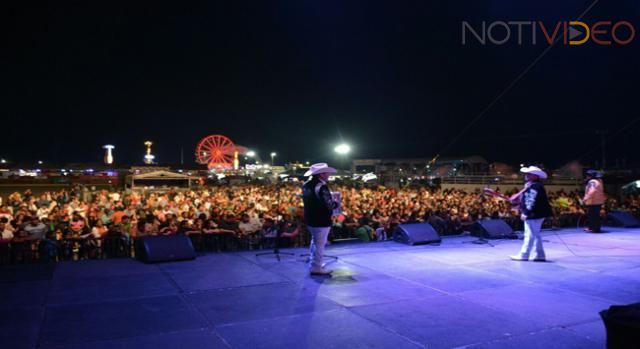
(148, 158)
(343, 150)
(108, 156)
(250, 154)
(273, 155)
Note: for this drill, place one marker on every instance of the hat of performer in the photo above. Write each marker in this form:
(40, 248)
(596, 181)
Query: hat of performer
(319, 168)
(593, 173)
(534, 170)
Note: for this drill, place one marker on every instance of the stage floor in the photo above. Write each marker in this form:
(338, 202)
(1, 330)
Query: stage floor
(382, 295)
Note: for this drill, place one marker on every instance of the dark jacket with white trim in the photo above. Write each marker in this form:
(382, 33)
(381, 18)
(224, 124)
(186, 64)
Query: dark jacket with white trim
(318, 204)
(535, 203)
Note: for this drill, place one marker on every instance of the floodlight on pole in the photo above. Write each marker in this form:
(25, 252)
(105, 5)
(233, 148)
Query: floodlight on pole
(108, 156)
(273, 155)
(148, 158)
(342, 149)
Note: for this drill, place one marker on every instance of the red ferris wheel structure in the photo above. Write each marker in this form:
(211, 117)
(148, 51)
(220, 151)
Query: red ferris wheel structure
(218, 152)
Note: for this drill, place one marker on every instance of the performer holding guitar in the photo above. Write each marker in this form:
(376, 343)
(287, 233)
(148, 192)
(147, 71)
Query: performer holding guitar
(534, 208)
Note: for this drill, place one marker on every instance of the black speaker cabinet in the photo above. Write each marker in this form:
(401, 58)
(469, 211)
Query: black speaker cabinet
(167, 248)
(622, 219)
(491, 229)
(416, 234)
(623, 326)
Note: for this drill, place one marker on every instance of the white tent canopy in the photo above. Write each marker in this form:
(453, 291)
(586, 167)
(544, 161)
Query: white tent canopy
(161, 175)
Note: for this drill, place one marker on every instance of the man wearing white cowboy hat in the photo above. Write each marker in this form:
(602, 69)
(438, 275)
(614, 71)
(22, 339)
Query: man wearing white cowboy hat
(534, 208)
(594, 198)
(318, 209)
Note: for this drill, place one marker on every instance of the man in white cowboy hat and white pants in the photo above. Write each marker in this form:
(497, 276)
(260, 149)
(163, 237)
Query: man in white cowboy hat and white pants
(534, 208)
(318, 209)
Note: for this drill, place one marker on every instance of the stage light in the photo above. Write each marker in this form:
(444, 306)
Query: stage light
(342, 149)
(251, 153)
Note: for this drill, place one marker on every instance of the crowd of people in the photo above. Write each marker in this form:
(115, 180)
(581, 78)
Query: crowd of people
(81, 223)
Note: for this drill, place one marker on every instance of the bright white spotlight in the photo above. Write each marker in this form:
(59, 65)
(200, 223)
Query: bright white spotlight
(342, 149)
(251, 153)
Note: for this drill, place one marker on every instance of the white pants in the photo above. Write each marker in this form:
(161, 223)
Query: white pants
(531, 236)
(318, 242)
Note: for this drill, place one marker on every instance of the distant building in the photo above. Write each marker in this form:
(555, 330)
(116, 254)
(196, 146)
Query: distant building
(440, 167)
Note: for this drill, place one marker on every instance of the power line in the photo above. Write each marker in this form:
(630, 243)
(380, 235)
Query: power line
(604, 138)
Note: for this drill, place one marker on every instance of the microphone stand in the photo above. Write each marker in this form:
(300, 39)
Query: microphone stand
(276, 248)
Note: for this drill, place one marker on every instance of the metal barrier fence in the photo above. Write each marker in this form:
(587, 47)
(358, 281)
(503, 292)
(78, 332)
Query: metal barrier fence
(22, 251)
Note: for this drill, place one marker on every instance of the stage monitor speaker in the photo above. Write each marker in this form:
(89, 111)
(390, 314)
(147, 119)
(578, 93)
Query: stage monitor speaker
(492, 229)
(623, 219)
(167, 248)
(623, 325)
(416, 234)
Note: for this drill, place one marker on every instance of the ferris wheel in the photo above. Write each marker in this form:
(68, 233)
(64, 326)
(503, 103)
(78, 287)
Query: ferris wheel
(217, 152)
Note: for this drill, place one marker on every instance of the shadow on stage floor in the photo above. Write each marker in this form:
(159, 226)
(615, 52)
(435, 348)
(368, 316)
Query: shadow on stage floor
(383, 295)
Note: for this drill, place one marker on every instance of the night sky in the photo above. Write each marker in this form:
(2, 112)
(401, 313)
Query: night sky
(391, 78)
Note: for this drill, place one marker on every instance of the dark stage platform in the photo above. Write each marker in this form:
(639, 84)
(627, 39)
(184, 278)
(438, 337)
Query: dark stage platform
(382, 295)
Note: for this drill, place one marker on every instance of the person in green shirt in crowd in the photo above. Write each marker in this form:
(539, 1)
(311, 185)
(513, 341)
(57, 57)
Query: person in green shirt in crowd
(364, 231)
